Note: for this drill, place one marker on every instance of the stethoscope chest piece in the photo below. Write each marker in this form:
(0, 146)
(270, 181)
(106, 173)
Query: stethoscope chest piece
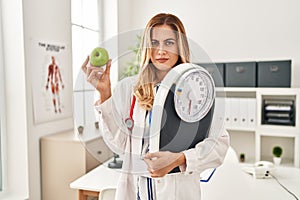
(129, 123)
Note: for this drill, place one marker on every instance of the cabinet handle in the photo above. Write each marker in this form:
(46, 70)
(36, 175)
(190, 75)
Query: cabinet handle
(240, 69)
(99, 152)
(274, 68)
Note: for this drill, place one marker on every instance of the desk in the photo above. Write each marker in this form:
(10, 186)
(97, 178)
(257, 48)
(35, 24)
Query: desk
(96, 180)
(230, 182)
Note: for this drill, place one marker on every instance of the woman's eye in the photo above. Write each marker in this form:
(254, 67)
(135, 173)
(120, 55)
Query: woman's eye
(154, 43)
(169, 43)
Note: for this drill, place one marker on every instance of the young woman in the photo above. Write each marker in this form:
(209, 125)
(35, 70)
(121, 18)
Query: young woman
(164, 46)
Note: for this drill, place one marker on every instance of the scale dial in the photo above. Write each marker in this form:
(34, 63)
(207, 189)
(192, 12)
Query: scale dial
(194, 94)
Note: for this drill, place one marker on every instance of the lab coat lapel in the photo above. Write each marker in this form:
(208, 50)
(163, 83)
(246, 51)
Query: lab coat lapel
(138, 130)
(138, 164)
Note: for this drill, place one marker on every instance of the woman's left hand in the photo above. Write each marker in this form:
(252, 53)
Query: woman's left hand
(162, 162)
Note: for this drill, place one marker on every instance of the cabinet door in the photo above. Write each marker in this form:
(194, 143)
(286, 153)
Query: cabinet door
(252, 113)
(228, 120)
(243, 112)
(235, 112)
(61, 163)
(99, 150)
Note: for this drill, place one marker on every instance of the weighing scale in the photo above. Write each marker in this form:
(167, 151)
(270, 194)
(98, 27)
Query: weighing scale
(182, 110)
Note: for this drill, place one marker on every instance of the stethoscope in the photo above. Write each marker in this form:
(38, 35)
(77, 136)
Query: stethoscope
(130, 124)
(129, 121)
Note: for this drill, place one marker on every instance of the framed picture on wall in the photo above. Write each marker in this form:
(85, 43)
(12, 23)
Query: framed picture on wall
(51, 78)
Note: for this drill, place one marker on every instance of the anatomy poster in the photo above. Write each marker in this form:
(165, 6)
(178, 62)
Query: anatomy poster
(51, 81)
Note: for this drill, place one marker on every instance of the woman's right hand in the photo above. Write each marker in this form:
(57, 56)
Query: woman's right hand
(99, 78)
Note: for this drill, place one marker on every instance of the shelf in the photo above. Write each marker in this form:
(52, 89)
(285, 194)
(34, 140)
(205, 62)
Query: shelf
(236, 89)
(235, 92)
(270, 90)
(275, 130)
(278, 128)
(287, 162)
(278, 134)
(284, 162)
(258, 140)
(248, 161)
(247, 148)
(246, 129)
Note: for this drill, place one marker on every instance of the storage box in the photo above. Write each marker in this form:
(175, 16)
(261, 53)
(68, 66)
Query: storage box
(216, 70)
(274, 73)
(240, 74)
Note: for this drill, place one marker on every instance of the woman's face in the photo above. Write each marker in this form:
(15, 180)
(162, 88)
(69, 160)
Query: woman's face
(164, 48)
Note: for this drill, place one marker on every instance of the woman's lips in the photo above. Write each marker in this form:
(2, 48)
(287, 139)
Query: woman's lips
(162, 60)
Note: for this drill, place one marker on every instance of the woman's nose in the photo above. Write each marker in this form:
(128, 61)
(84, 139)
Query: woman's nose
(161, 50)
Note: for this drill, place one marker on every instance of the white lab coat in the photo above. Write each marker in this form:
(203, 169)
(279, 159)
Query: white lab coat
(180, 186)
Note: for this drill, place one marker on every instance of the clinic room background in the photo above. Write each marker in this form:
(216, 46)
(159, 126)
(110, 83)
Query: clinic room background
(37, 149)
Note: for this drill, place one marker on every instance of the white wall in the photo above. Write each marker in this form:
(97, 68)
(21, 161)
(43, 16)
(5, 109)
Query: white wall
(49, 21)
(230, 30)
(16, 127)
(23, 21)
(110, 32)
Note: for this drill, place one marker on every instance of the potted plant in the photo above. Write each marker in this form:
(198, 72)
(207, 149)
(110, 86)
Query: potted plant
(133, 67)
(242, 157)
(277, 152)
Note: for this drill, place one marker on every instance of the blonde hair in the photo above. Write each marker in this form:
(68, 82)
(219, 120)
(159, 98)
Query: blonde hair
(143, 90)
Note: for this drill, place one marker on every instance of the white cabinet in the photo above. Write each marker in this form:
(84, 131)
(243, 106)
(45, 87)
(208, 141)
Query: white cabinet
(64, 158)
(250, 135)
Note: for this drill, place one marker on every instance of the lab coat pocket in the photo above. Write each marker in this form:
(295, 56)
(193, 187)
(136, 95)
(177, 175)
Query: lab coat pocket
(188, 186)
(165, 188)
(179, 186)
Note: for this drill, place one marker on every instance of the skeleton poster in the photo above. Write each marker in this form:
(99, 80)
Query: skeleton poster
(51, 81)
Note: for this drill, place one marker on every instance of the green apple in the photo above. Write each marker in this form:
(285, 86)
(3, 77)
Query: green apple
(99, 57)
